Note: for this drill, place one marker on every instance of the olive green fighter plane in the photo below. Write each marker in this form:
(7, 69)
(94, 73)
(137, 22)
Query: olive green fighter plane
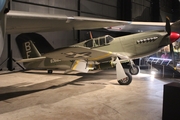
(103, 51)
(84, 55)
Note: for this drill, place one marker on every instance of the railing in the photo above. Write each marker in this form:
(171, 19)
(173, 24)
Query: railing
(160, 61)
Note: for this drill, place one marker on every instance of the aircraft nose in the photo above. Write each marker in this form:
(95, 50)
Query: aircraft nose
(174, 36)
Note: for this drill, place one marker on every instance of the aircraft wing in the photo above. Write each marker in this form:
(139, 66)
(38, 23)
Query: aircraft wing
(135, 27)
(78, 53)
(24, 22)
(81, 56)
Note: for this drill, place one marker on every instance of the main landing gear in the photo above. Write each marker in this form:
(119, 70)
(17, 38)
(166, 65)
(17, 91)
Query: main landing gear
(127, 80)
(123, 77)
(134, 69)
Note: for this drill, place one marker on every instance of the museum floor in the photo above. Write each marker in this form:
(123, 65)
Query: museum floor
(36, 95)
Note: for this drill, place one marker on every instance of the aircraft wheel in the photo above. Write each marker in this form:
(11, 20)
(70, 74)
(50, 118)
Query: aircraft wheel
(126, 81)
(134, 70)
(50, 71)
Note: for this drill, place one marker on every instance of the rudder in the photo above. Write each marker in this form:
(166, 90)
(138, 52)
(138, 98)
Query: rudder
(27, 47)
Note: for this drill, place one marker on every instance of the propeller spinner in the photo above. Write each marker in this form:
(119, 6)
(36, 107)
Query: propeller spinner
(172, 35)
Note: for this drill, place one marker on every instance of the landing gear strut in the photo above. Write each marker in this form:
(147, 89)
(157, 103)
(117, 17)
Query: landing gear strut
(127, 80)
(123, 77)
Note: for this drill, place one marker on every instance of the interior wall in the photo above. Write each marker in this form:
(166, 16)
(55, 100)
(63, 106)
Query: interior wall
(99, 8)
(165, 9)
(141, 10)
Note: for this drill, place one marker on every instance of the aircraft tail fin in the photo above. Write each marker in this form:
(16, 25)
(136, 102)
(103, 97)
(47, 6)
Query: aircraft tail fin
(3, 11)
(27, 48)
(32, 45)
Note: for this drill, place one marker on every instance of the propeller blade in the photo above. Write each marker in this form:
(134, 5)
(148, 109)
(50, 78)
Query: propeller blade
(168, 26)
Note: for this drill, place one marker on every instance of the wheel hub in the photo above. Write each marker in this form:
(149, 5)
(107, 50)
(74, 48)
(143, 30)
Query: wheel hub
(124, 80)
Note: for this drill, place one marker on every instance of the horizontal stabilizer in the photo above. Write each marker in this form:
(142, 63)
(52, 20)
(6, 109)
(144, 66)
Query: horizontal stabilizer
(31, 59)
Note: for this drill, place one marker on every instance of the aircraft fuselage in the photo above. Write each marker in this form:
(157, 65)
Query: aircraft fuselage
(137, 45)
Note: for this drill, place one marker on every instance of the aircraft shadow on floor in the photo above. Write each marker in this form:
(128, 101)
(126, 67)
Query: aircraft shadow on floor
(92, 78)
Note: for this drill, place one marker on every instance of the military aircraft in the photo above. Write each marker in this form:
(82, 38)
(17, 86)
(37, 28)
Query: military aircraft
(29, 45)
(103, 51)
(100, 50)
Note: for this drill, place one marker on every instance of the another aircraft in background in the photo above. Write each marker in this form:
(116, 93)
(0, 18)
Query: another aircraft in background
(136, 27)
(103, 51)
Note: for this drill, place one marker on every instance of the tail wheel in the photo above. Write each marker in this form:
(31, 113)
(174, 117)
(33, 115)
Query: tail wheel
(134, 70)
(127, 80)
(50, 71)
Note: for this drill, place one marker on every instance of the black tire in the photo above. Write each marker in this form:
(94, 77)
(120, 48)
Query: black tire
(126, 81)
(50, 71)
(134, 70)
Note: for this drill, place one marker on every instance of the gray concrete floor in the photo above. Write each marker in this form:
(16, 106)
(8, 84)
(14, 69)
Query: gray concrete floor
(36, 95)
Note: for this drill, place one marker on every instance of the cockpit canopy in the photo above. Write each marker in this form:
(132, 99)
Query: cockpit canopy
(97, 42)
